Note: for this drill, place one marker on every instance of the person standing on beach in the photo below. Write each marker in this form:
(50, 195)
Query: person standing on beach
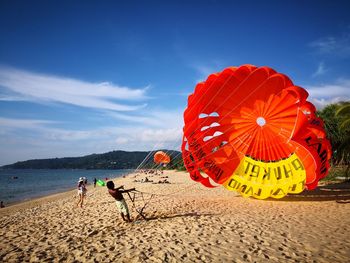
(117, 194)
(81, 191)
(95, 181)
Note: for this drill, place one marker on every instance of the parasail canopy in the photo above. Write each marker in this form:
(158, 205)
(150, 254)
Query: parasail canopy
(252, 130)
(161, 157)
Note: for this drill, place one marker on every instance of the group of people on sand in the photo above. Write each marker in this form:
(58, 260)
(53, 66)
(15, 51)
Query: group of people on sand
(151, 171)
(146, 180)
(116, 193)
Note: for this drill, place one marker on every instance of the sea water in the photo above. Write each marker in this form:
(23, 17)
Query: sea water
(21, 185)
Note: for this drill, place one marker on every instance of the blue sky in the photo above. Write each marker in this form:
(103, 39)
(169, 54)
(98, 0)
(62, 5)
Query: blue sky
(82, 77)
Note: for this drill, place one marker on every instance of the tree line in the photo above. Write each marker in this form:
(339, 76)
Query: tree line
(336, 118)
(110, 160)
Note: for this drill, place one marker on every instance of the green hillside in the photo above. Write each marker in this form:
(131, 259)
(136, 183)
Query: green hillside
(110, 160)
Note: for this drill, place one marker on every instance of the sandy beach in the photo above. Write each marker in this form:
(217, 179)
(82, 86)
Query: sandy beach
(186, 223)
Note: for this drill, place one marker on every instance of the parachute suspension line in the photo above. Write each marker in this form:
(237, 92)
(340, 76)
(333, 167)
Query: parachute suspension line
(197, 102)
(217, 92)
(167, 152)
(221, 117)
(144, 160)
(172, 193)
(145, 203)
(147, 157)
(212, 98)
(176, 143)
(276, 146)
(233, 158)
(154, 166)
(229, 112)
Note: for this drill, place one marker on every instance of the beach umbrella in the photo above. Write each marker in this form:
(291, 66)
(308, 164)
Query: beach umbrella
(161, 157)
(252, 130)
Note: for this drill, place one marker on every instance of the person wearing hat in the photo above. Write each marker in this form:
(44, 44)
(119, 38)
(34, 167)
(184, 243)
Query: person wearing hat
(81, 191)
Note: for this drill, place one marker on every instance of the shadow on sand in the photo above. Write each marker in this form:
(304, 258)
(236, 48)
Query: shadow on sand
(193, 214)
(339, 192)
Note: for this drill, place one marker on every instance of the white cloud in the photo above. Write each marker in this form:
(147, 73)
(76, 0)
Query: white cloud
(335, 45)
(203, 70)
(321, 69)
(40, 139)
(23, 123)
(137, 129)
(323, 95)
(154, 118)
(160, 135)
(121, 140)
(321, 103)
(40, 88)
(147, 120)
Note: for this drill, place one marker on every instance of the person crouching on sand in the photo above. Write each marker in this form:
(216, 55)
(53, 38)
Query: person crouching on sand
(81, 191)
(117, 194)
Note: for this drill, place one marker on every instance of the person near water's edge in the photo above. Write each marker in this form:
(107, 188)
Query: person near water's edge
(117, 194)
(81, 191)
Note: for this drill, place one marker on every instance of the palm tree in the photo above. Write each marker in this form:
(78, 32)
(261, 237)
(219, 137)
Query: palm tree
(343, 113)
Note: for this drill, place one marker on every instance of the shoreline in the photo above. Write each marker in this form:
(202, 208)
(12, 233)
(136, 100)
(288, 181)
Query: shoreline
(13, 197)
(20, 205)
(29, 199)
(42, 200)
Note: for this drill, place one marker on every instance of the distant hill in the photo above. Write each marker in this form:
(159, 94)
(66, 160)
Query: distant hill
(110, 160)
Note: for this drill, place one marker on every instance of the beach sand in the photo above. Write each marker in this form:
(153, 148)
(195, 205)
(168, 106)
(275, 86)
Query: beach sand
(187, 223)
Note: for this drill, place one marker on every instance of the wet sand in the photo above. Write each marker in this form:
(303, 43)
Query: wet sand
(186, 223)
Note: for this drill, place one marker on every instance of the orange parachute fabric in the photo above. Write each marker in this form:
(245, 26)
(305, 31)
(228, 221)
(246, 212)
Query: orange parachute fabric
(161, 157)
(251, 130)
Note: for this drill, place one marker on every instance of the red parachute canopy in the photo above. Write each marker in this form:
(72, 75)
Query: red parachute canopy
(251, 130)
(161, 157)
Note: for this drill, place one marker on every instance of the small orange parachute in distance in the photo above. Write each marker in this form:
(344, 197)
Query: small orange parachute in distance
(161, 157)
(252, 130)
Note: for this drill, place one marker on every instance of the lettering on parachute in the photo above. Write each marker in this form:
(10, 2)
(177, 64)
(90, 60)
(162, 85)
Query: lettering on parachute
(189, 163)
(322, 153)
(209, 166)
(263, 179)
(316, 122)
(213, 169)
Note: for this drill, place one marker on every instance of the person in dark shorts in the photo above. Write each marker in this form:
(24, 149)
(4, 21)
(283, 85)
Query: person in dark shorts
(117, 194)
